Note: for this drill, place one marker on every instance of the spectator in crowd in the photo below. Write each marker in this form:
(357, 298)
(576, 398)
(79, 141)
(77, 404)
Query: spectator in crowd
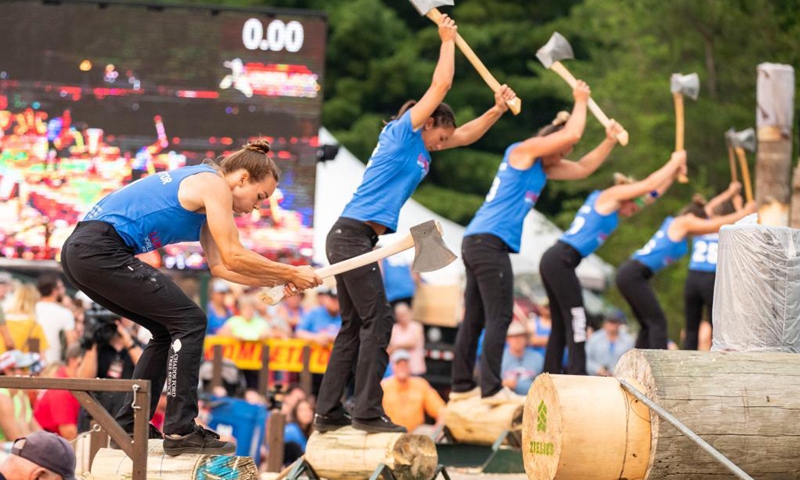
(247, 325)
(406, 398)
(57, 410)
(218, 313)
(540, 325)
(53, 317)
(294, 394)
(21, 319)
(16, 413)
(5, 334)
(290, 311)
(322, 324)
(408, 334)
(605, 347)
(520, 365)
(398, 280)
(297, 431)
(39, 456)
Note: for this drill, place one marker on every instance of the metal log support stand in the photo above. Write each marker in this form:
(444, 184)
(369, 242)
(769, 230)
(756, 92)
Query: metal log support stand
(302, 468)
(503, 456)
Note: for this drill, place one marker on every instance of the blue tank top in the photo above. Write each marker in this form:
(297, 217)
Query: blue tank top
(590, 229)
(513, 194)
(660, 251)
(397, 279)
(397, 165)
(704, 253)
(147, 213)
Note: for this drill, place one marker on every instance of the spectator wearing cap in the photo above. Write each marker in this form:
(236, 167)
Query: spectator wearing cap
(216, 310)
(53, 317)
(16, 414)
(5, 334)
(408, 335)
(57, 410)
(322, 324)
(406, 398)
(520, 365)
(39, 456)
(605, 347)
(21, 319)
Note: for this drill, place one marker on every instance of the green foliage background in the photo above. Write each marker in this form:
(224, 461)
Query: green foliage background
(381, 53)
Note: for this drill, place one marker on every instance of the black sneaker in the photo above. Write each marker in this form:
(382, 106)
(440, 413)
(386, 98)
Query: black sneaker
(378, 425)
(152, 434)
(334, 421)
(201, 441)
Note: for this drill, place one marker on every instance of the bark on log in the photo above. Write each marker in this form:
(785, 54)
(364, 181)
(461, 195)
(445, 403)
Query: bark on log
(794, 220)
(472, 421)
(348, 453)
(112, 464)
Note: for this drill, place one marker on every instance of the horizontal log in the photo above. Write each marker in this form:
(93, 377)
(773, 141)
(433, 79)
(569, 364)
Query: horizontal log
(472, 421)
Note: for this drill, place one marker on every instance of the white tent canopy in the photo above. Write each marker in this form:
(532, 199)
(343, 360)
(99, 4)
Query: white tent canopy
(338, 179)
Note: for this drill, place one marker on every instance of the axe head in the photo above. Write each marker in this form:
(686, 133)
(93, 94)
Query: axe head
(430, 252)
(555, 50)
(425, 6)
(745, 139)
(686, 85)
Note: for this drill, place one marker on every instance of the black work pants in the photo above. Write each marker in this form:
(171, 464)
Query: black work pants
(698, 293)
(557, 269)
(634, 285)
(97, 261)
(367, 322)
(489, 304)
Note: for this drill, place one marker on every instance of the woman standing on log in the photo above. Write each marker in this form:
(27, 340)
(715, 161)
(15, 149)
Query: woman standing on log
(699, 288)
(399, 162)
(595, 221)
(496, 231)
(668, 245)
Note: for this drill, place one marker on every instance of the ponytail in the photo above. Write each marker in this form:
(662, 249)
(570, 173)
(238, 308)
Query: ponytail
(556, 125)
(253, 158)
(697, 207)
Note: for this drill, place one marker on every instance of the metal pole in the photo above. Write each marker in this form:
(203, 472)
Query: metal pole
(685, 430)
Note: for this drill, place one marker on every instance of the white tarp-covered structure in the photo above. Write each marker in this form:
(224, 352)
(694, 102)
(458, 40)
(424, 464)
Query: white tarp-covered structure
(338, 179)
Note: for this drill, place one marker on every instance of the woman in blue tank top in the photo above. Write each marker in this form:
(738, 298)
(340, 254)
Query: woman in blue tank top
(698, 292)
(595, 221)
(668, 245)
(496, 231)
(397, 165)
(186, 204)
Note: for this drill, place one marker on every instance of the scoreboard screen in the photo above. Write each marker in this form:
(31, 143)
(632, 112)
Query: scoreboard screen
(94, 96)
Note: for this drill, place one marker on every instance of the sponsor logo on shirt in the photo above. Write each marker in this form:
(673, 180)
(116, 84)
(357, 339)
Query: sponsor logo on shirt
(424, 163)
(531, 198)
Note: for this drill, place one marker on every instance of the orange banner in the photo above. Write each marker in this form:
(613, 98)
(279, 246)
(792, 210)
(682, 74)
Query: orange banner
(284, 354)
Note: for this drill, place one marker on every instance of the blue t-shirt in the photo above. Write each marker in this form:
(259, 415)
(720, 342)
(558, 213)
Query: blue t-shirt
(215, 322)
(523, 369)
(590, 229)
(293, 434)
(397, 165)
(513, 194)
(147, 213)
(660, 251)
(704, 253)
(397, 279)
(319, 320)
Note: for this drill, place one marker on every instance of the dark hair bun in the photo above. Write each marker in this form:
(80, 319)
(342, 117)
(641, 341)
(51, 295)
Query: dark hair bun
(260, 146)
(699, 200)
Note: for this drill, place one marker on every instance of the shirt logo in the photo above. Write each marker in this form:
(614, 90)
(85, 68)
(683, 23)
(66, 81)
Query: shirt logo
(531, 198)
(424, 163)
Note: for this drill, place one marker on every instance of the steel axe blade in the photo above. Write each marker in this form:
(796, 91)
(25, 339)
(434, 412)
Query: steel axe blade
(745, 139)
(425, 6)
(430, 252)
(686, 85)
(555, 50)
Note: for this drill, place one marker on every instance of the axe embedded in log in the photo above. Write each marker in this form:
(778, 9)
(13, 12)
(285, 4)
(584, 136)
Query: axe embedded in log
(428, 8)
(430, 253)
(741, 141)
(551, 54)
(681, 85)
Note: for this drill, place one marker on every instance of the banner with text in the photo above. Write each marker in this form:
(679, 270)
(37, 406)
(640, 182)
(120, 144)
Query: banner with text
(284, 354)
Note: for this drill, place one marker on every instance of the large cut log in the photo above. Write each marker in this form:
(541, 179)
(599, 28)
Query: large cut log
(745, 404)
(348, 453)
(112, 464)
(582, 428)
(472, 421)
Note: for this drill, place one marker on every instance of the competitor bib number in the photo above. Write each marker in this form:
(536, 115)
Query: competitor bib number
(705, 252)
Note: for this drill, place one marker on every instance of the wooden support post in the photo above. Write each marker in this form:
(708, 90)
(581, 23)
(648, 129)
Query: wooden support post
(216, 367)
(305, 376)
(263, 374)
(97, 439)
(275, 425)
(141, 421)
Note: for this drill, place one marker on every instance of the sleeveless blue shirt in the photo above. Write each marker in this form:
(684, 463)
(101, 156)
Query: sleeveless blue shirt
(397, 165)
(147, 213)
(660, 251)
(513, 194)
(590, 229)
(704, 253)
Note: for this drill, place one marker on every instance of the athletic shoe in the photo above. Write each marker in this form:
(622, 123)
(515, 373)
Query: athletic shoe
(201, 441)
(458, 396)
(331, 422)
(152, 434)
(381, 424)
(504, 395)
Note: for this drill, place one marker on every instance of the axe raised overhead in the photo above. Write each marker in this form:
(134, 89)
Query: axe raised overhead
(741, 141)
(680, 85)
(430, 253)
(731, 155)
(428, 8)
(551, 54)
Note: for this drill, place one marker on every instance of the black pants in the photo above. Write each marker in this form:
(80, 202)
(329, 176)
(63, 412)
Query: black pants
(633, 282)
(698, 293)
(97, 261)
(489, 303)
(367, 323)
(557, 269)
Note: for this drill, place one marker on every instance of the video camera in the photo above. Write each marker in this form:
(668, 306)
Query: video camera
(100, 326)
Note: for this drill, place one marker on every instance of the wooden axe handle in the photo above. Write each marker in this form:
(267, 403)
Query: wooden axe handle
(561, 70)
(514, 105)
(678, 98)
(748, 188)
(732, 162)
(274, 295)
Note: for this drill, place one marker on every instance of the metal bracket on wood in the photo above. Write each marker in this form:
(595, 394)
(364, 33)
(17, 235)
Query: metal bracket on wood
(503, 456)
(300, 468)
